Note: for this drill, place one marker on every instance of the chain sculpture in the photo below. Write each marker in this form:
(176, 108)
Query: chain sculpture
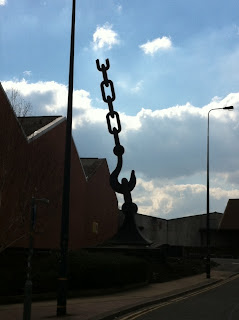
(129, 232)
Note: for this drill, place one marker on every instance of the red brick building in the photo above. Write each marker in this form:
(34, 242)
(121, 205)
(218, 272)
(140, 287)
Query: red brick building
(31, 165)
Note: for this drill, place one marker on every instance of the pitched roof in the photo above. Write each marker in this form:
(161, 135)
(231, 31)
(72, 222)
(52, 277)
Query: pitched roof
(90, 166)
(37, 125)
(32, 124)
(230, 220)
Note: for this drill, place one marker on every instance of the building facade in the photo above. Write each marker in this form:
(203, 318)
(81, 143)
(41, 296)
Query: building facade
(186, 231)
(191, 231)
(31, 165)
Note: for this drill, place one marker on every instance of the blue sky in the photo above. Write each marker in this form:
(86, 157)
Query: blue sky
(171, 61)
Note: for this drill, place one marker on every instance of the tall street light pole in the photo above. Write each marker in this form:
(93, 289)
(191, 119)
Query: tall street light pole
(208, 266)
(62, 280)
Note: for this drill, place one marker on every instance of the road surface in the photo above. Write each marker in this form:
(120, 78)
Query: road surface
(219, 302)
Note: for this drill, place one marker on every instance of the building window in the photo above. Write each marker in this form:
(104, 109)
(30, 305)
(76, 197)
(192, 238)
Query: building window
(95, 227)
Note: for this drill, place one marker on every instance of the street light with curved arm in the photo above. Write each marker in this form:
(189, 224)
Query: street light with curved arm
(208, 266)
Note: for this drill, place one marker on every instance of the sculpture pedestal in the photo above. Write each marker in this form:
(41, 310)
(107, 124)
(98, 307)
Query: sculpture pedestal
(129, 234)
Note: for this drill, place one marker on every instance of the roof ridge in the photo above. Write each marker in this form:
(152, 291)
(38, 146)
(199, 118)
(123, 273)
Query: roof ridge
(38, 133)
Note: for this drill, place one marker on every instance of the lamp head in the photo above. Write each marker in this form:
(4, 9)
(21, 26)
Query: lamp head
(228, 108)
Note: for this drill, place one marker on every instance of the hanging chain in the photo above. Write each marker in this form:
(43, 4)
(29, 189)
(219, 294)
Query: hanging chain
(125, 187)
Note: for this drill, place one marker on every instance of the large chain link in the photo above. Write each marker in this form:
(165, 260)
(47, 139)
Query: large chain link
(125, 187)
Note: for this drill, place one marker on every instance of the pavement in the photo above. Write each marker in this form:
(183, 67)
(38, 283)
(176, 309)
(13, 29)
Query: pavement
(107, 307)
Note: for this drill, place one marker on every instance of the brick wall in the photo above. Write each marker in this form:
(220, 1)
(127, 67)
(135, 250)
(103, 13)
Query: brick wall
(36, 169)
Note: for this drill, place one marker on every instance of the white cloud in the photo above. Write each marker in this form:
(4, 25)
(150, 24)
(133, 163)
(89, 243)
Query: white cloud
(3, 2)
(51, 97)
(45, 97)
(151, 47)
(166, 200)
(231, 99)
(219, 193)
(166, 148)
(104, 37)
(27, 73)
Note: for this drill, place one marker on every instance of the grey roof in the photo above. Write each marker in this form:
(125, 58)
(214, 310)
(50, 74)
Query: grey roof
(32, 124)
(90, 166)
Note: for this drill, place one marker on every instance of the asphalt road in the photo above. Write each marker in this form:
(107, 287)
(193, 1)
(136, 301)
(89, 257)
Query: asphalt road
(220, 303)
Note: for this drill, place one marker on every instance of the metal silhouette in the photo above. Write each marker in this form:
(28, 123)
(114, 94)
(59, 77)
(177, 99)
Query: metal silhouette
(129, 232)
(62, 279)
(208, 258)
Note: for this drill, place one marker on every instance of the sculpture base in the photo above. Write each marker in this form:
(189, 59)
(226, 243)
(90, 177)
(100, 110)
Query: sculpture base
(129, 234)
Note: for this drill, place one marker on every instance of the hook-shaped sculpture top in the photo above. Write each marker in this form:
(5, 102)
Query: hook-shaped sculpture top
(125, 186)
(103, 67)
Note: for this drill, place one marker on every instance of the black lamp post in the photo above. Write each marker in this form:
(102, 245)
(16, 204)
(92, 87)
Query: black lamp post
(28, 283)
(62, 280)
(208, 266)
